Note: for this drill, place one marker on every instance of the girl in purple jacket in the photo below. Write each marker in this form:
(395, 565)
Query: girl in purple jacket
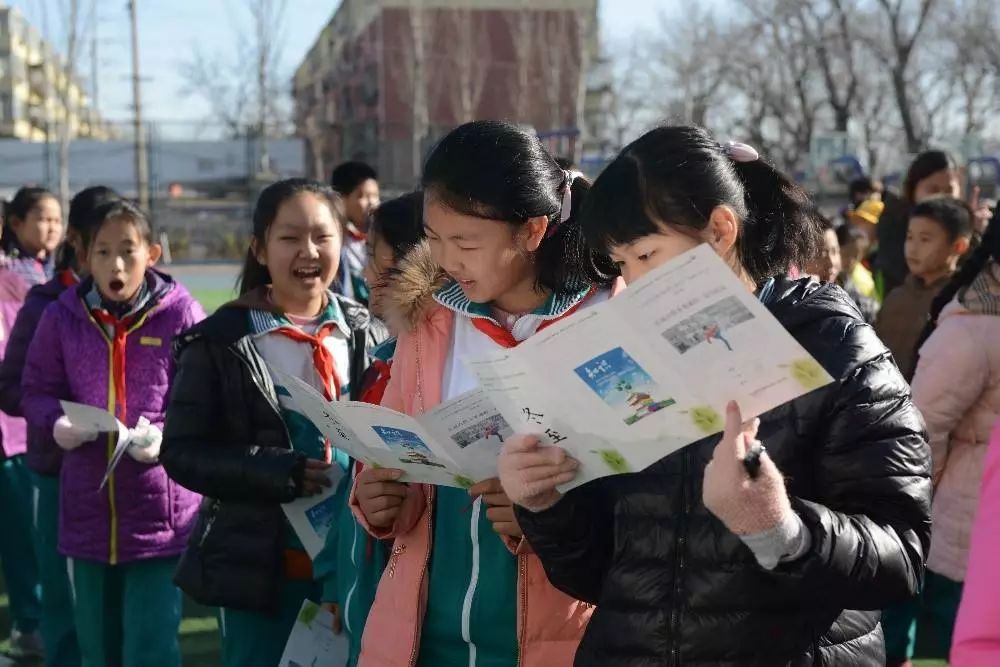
(43, 456)
(32, 234)
(107, 343)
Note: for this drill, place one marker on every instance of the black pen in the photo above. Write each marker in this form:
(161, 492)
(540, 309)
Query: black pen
(752, 459)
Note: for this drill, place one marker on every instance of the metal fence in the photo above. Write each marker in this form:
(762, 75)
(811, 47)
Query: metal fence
(202, 184)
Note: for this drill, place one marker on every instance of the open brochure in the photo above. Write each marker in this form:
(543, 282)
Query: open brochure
(94, 419)
(619, 385)
(312, 518)
(456, 444)
(312, 641)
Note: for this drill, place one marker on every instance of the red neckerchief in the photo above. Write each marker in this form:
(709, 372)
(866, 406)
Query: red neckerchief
(323, 363)
(375, 390)
(355, 233)
(67, 278)
(504, 338)
(118, 338)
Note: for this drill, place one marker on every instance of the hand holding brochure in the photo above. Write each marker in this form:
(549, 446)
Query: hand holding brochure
(312, 518)
(619, 385)
(629, 381)
(95, 419)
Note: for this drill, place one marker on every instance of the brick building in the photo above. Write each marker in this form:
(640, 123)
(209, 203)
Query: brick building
(387, 78)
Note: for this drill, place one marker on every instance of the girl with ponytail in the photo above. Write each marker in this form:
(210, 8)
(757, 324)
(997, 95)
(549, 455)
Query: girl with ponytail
(232, 436)
(32, 231)
(957, 388)
(505, 257)
(694, 560)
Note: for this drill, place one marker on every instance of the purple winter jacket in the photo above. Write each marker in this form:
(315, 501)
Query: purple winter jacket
(141, 513)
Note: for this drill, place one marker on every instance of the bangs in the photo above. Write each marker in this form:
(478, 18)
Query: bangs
(465, 205)
(615, 211)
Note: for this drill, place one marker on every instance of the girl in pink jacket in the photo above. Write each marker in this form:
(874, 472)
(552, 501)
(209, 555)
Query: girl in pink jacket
(957, 388)
(462, 585)
(32, 231)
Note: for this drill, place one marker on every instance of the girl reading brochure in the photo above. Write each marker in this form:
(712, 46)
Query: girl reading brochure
(720, 553)
(462, 587)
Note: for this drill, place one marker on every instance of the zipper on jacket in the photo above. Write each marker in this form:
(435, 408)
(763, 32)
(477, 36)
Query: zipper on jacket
(356, 529)
(270, 397)
(522, 589)
(209, 523)
(112, 439)
(679, 545)
(420, 584)
(470, 592)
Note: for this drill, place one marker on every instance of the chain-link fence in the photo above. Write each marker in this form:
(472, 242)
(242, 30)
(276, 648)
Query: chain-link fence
(202, 180)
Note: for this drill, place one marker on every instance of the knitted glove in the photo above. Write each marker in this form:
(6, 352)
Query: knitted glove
(746, 506)
(68, 436)
(530, 473)
(144, 442)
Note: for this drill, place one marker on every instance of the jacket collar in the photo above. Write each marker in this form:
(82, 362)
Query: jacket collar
(453, 298)
(230, 323)
(265, 321)
(159, 290)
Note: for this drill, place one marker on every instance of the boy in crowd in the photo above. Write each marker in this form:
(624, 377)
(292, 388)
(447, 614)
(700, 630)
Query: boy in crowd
(855, 277)
(938, 234)
(862, 189)
(357, 183)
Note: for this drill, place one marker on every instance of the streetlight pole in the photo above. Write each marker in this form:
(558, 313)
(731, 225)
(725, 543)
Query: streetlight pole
(141, 161)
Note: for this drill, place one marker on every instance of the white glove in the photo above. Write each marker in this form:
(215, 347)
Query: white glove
(68, 436)
(144, 442)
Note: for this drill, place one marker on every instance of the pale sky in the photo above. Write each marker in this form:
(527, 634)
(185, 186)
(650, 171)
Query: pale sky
(169, 28)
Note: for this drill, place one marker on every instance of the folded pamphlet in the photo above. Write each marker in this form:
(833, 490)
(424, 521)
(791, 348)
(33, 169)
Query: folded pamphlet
(619, 385)
(94, 419)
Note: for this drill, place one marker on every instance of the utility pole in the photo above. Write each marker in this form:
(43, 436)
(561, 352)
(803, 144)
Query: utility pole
(141, 162)
(94, 61)
(66, 82)
(47, 99)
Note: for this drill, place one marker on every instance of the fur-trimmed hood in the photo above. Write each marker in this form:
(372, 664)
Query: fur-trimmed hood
(411, 288)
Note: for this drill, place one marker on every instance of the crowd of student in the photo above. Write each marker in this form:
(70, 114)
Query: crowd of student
(689, 562)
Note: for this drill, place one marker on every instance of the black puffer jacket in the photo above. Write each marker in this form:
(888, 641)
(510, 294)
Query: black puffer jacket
(674, 587)
(224, 437)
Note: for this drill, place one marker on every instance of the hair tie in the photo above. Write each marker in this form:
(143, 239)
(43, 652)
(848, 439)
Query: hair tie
(567, 201)
(739, 152)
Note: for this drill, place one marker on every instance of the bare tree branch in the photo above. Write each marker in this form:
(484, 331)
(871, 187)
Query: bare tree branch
(244, 91)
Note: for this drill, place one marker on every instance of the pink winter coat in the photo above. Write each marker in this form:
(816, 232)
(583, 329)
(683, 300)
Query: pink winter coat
(550, 623)
(13, 288)
(977, 630)
(957, 388)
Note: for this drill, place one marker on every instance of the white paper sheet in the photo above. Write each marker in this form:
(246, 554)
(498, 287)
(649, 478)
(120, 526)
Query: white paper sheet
(312, 518)
(89, 417)
(312, 642)
(619, 385)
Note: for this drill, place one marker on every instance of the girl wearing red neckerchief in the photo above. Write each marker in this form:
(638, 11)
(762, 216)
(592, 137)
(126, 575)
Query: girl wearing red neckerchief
(504, 258)
(232, 436)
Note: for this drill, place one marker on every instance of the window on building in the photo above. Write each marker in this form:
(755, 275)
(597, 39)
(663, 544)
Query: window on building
(205, 165)
(6, 108)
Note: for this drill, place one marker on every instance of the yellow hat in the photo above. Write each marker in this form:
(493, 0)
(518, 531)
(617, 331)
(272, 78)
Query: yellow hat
(870, 210)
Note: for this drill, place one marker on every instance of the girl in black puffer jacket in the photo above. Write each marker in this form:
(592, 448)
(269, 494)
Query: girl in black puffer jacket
(692, 562)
